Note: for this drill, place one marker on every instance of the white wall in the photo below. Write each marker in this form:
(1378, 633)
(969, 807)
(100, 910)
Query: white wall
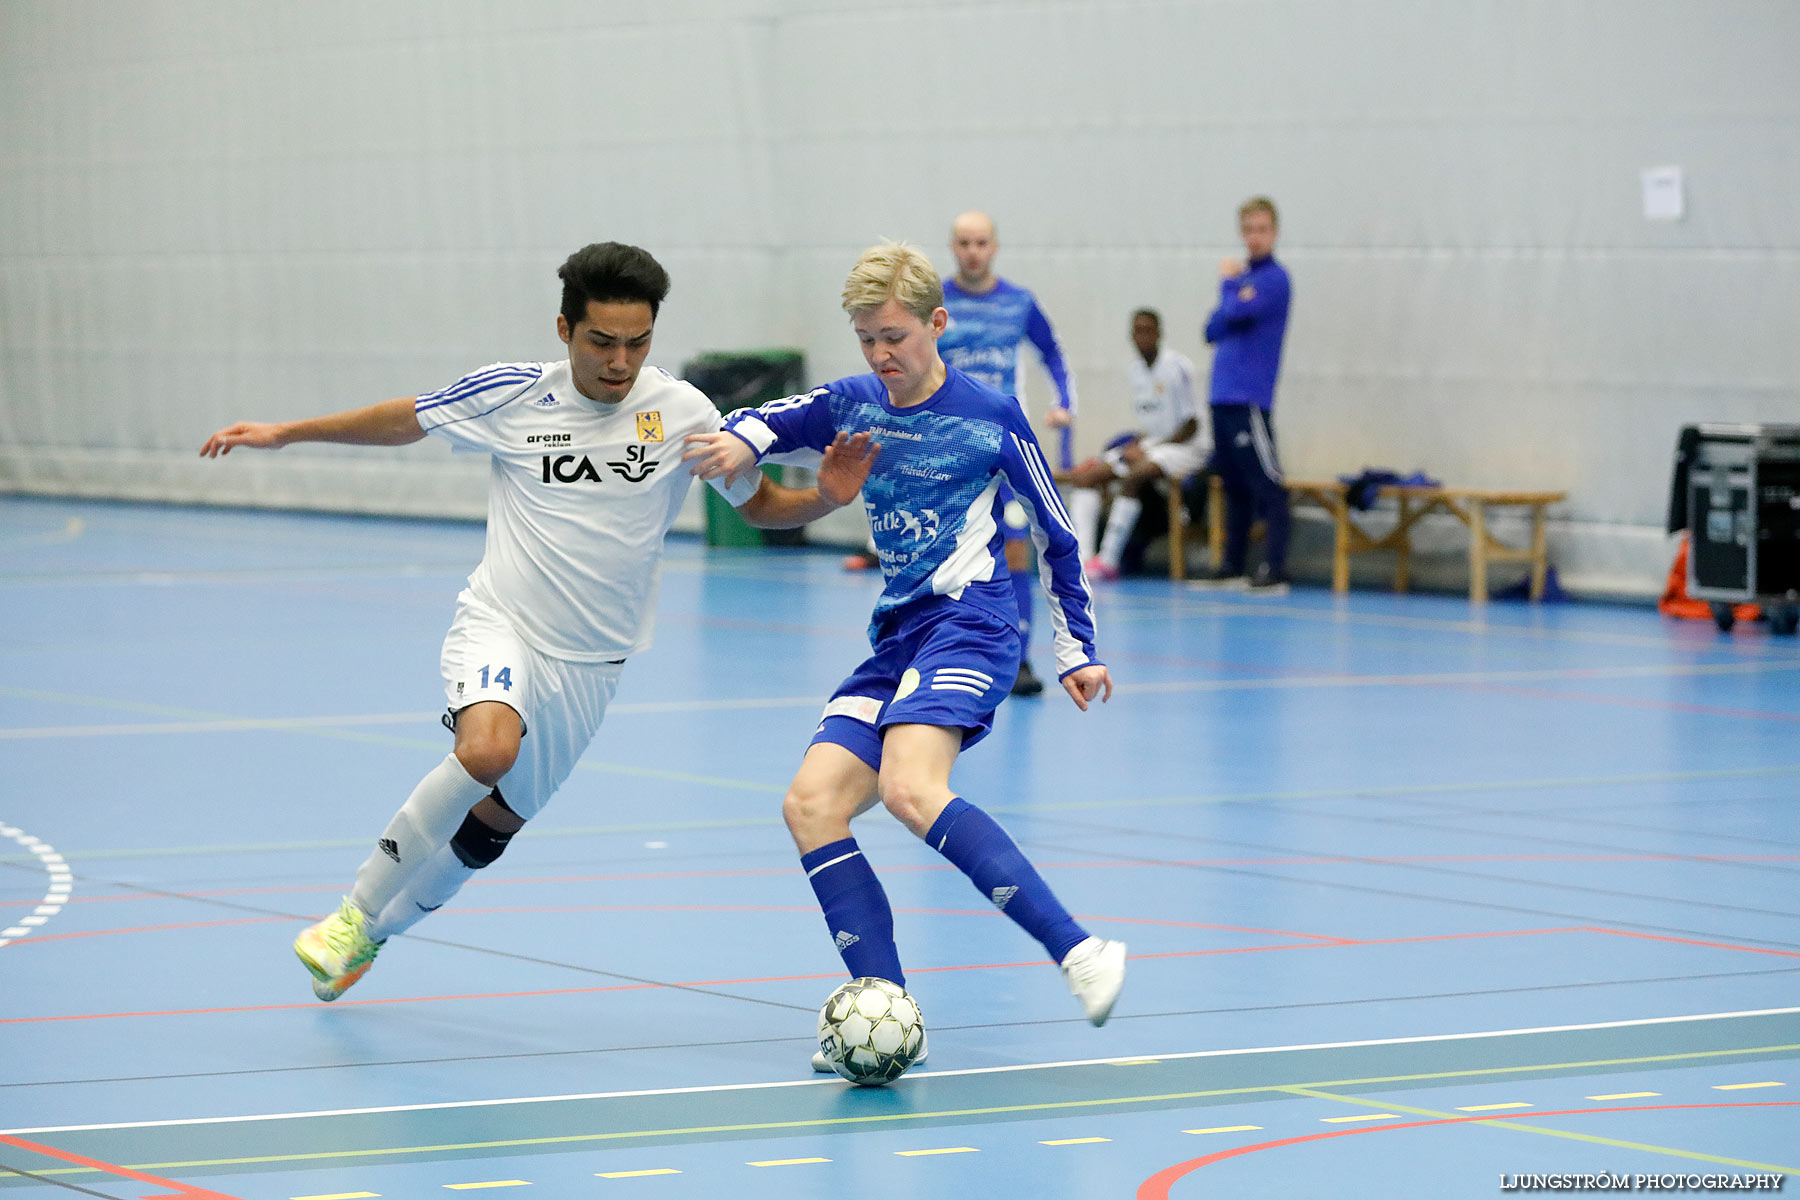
(211, 211)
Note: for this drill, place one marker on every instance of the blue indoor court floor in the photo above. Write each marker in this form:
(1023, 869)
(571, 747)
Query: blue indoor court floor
(1423, 899)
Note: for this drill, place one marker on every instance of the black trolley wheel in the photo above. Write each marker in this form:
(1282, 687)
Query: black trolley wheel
(1723, 616)
(1784, 620)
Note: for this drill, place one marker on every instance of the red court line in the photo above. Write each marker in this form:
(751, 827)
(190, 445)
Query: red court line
(183, 1190)
(635, 908)
(89, 933)
(1681, 941)
(1157, 1186)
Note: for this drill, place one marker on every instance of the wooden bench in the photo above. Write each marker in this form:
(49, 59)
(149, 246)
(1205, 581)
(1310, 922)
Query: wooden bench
(1468, 505)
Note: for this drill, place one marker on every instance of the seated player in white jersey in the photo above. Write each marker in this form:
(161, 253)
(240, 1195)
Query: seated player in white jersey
(583, 488)
(1169, 443)
(945, 631)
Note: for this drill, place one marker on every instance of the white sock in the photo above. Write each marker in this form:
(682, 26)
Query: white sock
(1084, 510)
(423, 826)
(429, 888)
(1119, 524)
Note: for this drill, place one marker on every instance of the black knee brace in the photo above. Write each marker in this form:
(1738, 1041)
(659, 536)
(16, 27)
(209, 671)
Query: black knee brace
(477, 843)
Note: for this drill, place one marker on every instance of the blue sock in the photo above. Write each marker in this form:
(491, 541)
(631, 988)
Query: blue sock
(856, 910)
(1024, 588)
(983, 851)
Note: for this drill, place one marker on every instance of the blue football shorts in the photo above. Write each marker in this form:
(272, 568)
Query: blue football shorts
(948, 664)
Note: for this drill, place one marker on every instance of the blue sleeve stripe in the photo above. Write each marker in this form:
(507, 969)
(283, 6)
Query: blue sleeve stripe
(480, 381)
(469, 416)
(1041, 481)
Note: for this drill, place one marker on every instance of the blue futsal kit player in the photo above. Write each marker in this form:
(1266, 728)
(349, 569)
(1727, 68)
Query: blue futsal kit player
(990, 321)
(945, 631)
(1246, 331)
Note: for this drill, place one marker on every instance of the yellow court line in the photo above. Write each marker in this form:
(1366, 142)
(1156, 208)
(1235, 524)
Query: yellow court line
(1492, 1107)
(1626, 1096)
(942, 1114)
(1074, 1141)
(1738, 1087)
(1225, 1129)
(1516, 1127)
(939, 1150)
(464, 1187)
(1380, 1116)
(635, 1174)
(786, 1162)
(339, 1196)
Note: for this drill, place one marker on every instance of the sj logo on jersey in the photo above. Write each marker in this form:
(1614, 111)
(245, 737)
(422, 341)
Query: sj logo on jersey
(649, 426)
(568, 468)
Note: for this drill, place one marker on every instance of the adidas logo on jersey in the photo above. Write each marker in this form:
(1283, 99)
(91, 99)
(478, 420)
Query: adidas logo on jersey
(1002, 895)
(389, 847)
(845, 939)
(547, 401)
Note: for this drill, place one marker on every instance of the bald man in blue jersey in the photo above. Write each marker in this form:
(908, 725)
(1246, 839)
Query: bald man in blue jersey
(990, 321)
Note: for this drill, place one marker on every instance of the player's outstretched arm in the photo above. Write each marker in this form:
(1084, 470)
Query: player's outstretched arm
(842, 472)
(1088, 682)
(390, 423)
(719, 454)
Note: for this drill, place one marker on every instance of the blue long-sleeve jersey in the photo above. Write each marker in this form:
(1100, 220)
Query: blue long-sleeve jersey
(1246, 333)
(931, 496)
(985, 334)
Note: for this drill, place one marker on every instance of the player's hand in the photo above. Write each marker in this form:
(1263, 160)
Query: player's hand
(1058, 418)
(255, 434)
(718, 454)
(1090, 681)
(845, 467)
(1230, 268)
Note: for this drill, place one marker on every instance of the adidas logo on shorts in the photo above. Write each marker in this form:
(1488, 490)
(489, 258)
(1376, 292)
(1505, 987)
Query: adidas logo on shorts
(961, 679)
(845, 939)
(389, 847)
(1002, 895)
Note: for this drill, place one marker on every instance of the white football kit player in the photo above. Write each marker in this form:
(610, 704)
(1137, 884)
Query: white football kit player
(581, 495)
(1162, 396)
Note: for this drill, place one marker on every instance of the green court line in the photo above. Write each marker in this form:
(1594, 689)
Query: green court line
(944, 1114)
(1570, 1135)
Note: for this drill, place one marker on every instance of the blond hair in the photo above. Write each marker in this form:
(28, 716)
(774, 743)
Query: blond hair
(894, 271)
(1259, 204)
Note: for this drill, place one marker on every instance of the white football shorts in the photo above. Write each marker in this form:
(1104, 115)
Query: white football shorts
(1177, 460)
(561, 703)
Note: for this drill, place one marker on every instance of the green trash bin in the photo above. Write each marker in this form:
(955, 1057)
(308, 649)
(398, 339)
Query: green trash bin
(744, 379)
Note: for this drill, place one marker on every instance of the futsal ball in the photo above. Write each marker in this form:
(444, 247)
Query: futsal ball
(871, 1031)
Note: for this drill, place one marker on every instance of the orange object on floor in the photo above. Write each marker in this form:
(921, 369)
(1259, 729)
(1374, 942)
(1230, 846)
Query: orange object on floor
(1676, 602)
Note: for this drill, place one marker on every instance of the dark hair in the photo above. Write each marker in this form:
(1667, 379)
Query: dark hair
(610, 271)
(1147, 312)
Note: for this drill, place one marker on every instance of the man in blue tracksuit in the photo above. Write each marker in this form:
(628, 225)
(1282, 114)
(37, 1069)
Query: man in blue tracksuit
(1246, 332)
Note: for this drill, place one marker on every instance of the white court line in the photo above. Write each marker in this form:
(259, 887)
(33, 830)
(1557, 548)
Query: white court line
(748, 704)
(56, 894)
(1457, 678)
(834, 1082)
(251, 724)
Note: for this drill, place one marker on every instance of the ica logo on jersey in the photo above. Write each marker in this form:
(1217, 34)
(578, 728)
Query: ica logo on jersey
(571, 468)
